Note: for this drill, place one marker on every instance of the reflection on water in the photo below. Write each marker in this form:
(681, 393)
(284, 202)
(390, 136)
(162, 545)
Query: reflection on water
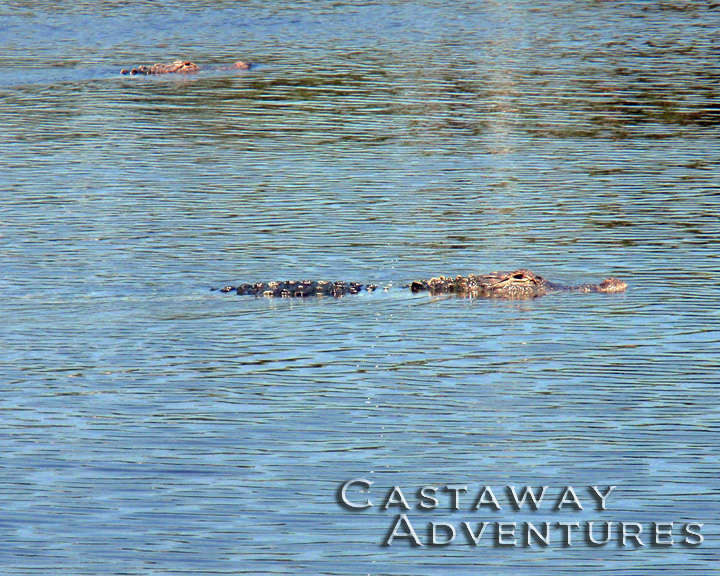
(152, 424)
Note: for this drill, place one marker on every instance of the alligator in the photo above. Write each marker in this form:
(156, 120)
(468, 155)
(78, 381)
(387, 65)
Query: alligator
(521, 284)
(181, 67)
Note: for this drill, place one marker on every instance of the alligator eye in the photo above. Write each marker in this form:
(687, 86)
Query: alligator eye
(519, 276)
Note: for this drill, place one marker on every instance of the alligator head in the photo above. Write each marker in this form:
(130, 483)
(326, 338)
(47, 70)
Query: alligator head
(518, 285)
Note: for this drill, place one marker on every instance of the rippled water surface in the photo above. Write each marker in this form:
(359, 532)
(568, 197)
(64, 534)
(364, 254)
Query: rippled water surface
(151, 425)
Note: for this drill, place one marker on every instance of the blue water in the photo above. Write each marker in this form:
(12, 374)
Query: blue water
(150, 425)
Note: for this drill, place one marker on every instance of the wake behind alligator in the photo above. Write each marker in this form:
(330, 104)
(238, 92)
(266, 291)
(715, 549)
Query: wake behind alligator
(521, 284)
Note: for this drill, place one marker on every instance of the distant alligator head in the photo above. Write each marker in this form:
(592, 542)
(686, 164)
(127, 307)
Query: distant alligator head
(521, 284)
(181, 67)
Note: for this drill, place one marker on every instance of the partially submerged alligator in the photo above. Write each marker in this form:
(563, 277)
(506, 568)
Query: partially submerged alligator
(521, 284)
(181, 67)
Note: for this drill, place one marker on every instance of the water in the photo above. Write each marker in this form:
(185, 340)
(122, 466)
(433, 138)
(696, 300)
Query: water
(153, 426)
